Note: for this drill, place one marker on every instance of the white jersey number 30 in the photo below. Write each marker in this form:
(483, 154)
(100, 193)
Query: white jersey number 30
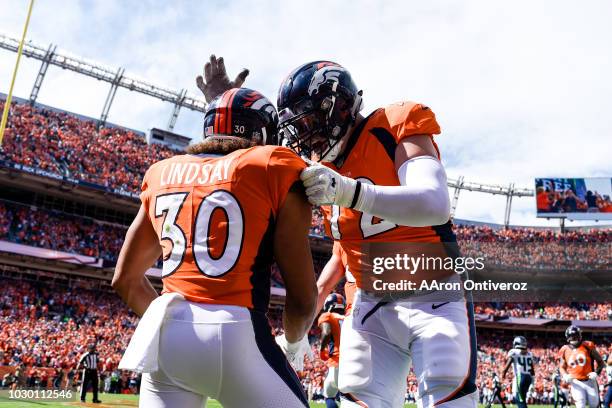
(170, 205)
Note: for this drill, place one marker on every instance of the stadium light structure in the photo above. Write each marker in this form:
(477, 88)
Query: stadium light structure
(179, 98)
(509, 191)
(50, 56)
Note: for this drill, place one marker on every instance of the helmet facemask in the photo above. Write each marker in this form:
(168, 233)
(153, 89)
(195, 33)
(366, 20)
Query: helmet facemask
(574, 339)
(316, 127)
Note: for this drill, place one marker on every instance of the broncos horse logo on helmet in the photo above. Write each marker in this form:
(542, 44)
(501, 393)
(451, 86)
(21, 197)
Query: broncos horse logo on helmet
(317, 102)
(242, 113)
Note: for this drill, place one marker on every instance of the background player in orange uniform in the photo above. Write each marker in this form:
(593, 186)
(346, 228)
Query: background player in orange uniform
(336, 268)
(577, 367)
(330, 323)
(219, 216)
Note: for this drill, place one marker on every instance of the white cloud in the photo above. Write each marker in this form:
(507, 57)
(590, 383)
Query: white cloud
(521, 89)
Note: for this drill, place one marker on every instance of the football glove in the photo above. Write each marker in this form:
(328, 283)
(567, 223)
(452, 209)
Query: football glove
(295, 352)
(216, 81)
(592, 375)
(324, 186)
(567, 378)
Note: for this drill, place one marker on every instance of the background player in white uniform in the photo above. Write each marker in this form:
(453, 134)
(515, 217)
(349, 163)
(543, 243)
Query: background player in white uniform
(521, 361)
(577, 366)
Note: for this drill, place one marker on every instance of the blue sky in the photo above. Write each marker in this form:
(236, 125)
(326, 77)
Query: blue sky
(521, 89)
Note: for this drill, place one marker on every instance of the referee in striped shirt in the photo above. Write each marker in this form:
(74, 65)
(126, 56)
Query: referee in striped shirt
(89, 363)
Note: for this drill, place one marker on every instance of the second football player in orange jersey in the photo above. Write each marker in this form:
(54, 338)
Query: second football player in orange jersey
(219, 217)
(379, 180)
(384, 181)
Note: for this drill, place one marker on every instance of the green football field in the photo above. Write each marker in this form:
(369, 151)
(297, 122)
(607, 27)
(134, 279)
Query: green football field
(122, 401)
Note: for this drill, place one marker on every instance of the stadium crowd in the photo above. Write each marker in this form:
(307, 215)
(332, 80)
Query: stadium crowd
(69, 146)
(517, 247)
(536, 248)
(44, 327)
(59, 231)
(47, 326)
(564, 311)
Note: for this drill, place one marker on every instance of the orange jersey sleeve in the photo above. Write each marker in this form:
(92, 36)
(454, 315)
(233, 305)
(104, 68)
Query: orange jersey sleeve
(589, 345)
(283, 170)
(409, 119)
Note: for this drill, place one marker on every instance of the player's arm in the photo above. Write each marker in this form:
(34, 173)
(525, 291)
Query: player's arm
(598, 359)
(294, 259)
(506, 368)
(326, 336)
(139, 252)
(329, 278)
(421, 199)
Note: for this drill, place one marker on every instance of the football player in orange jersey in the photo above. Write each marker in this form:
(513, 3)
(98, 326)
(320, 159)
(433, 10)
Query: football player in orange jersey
(330, 323)
(577, 367)
(380, 180)
(219, 216)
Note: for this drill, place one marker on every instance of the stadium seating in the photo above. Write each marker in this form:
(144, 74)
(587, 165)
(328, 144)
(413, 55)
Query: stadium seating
(70, 146)
(45, 326)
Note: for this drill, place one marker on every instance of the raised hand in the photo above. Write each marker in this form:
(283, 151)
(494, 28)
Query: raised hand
(216, 81)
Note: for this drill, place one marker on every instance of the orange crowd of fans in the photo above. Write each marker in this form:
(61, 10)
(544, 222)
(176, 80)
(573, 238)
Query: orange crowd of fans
(69, 146)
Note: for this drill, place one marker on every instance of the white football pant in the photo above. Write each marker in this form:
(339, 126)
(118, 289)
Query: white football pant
(378, 345)
(330, 385)
(585, 392)
(223, 352)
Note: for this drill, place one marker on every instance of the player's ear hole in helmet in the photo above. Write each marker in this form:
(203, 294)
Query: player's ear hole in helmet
(237, 119)
(318, 103)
